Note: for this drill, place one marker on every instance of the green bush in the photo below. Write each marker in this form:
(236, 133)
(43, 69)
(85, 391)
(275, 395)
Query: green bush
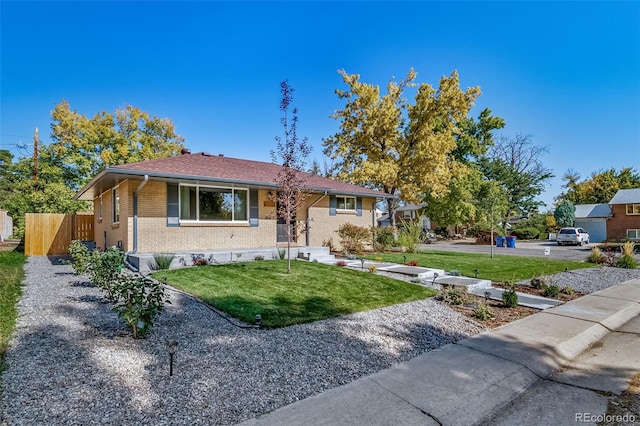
(453, 296)
(410, 236)
(483, 312)
(80, 257)
(626, 261)
(353, 238)
(104, 267)
(162, 260)
(552, 291)
(384, 238)
(567, 290)
(138, 301)
(509, 296)
(527, 233)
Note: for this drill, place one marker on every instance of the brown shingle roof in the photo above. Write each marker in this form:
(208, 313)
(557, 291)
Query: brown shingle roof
(203, 166)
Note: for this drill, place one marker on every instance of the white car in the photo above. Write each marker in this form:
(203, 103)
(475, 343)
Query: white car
(576, 236)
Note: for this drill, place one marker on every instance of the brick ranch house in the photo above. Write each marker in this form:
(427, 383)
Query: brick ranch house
(202, 202)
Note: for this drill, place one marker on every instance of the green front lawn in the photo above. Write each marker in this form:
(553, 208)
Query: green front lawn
(11, 276)
(311, 292)
(500, 268)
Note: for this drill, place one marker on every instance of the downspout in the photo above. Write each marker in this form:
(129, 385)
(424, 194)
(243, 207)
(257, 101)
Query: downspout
(308, 227)
(135, 221)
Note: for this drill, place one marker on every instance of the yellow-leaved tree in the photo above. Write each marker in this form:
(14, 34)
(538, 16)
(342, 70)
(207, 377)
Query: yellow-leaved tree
(399, 148)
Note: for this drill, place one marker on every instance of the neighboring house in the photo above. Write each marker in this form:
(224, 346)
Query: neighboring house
(593, 218)
(199, 202)
(625, 223)
(407, 213)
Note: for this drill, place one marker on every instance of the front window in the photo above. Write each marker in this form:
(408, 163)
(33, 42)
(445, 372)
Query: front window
(346, 203)
(209, 204)
(115, 201)
(633, 209)
(633, 234)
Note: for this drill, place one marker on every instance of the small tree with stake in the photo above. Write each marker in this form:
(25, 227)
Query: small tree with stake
(292, 153)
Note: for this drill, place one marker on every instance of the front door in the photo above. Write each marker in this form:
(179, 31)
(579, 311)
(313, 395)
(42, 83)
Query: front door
(282, 229)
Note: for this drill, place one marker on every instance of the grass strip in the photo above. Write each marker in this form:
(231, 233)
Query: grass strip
(500, 268)
(310, 292)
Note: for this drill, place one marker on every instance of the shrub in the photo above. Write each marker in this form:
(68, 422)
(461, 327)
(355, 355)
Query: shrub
(138, 301)
(329, 243)
(258, 257)
(483, 312)
(282, 253)
(104, 267)
(353, 238)
(626, 261)
(539, 283)
(526, 233)
(453, 296)
(454, 273)
(410, 236)
(628, 249)
(567, 290)
(373, 269)
(162, 260)
(552, 291)
(596, 256)
(509, 296)
(412, 263)
(80, 257)
(384, 238)
(378, 259)
(199, 260)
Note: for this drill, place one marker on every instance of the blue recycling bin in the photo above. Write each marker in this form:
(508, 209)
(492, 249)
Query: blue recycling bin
(511, 241)
(500, 241)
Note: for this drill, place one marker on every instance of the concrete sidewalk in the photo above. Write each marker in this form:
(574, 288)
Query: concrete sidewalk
(542, 369)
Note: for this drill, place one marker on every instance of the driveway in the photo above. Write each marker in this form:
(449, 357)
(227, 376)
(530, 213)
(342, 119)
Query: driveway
(523, 248)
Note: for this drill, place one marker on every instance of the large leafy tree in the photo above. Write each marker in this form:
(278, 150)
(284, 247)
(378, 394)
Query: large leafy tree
(82, 146)
(565, 213)
(600, 187)
(291, 152)
(465, 193)
(397, 147)
(517, 165)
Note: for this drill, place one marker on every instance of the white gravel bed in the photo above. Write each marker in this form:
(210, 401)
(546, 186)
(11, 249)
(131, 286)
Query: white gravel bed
(73, 362)
(589, 280)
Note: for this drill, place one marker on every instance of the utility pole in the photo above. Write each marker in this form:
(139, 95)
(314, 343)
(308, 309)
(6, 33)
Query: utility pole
(35, 154)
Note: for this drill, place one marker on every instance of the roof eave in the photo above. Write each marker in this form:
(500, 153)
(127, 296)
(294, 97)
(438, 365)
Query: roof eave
(80, 194)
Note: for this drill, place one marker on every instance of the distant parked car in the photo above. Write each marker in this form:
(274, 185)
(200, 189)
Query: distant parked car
(576, 236)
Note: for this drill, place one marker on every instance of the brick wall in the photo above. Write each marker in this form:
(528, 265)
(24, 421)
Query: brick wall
(617, 226)
(155, 236)
(105, 226)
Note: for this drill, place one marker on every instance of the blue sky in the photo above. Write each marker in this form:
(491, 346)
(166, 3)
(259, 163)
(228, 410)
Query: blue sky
(567, 73)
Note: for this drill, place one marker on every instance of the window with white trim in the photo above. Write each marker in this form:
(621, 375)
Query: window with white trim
(200, 203)
(115, 205)
(345, 203)
(633, 234)
(407, 214)
(633, 209)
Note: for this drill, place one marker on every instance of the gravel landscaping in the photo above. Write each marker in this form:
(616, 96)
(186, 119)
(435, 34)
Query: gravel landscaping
(590, 280)
(72, 361)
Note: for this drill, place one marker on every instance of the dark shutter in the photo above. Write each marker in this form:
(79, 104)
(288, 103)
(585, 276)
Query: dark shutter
(332, 205)
(253, 208)
(359, 206)
(173, 207)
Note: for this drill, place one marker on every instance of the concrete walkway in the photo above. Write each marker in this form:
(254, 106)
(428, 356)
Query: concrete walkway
(547, 368)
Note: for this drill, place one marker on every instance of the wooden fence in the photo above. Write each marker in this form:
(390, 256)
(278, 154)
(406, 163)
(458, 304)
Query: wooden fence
(49, 234)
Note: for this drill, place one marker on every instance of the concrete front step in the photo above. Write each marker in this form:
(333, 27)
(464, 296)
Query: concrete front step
(524, 299)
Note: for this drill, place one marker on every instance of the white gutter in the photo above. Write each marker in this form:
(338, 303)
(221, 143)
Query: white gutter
(307, 234)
